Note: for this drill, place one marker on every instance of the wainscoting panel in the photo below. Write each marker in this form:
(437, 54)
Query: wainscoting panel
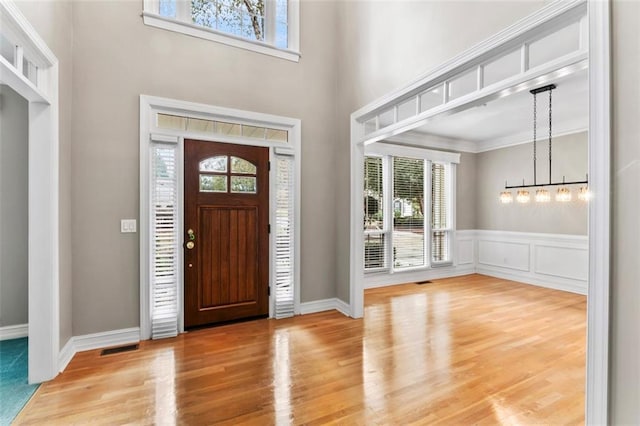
(465, 251)
(565, 262)
(547, 260)
(504, 254)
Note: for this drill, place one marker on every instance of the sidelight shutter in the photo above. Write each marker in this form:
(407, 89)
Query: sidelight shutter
(284, 237)
(375, 247)
(164, 242)
(408, 212)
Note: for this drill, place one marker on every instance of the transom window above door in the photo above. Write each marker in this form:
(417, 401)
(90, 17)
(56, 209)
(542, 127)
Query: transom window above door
(228, 174)
(266, 26)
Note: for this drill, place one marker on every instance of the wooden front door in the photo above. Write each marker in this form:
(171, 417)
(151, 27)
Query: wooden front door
(226, 231)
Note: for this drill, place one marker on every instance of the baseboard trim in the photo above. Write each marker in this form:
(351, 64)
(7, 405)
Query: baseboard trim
(66, 354)
(343, 307)
(106, 339)
(14, 331)
(386, 279)
(324, 305)
(93, 341)
(553, 283)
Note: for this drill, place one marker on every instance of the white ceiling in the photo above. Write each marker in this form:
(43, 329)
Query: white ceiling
(509, 120)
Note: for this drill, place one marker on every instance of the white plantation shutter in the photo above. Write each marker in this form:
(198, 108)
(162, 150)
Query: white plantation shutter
(284, 237)
(440, 226)
(164, 242)
(408, 212)
(375, 236)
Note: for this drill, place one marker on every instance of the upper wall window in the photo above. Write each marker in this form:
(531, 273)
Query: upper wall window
(264, 26)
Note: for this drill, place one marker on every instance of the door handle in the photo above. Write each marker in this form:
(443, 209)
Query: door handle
(190, 244)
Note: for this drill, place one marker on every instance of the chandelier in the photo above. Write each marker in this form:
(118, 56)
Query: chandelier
(543, 195)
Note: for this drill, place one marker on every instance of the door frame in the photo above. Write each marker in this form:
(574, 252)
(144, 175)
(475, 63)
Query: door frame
(43, 210)
(599, 64)
(150, 133)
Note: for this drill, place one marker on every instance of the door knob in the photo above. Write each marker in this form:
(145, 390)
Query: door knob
(190, 245)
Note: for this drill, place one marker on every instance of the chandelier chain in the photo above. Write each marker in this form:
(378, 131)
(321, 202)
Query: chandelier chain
(550, 124)
(535, 109)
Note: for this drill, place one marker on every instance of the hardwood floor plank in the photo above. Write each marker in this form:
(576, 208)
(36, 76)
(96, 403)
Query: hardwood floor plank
(465, 350)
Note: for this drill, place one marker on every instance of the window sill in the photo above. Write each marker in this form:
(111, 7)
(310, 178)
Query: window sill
(155, 20)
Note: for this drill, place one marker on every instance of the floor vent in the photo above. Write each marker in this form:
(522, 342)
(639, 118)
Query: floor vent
(119, 349)
(424, 282)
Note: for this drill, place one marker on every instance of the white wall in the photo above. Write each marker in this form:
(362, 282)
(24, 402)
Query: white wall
(14, 226)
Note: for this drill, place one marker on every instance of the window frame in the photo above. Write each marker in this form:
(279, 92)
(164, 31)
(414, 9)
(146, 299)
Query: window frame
(449, 177)
(386, 219)
(430, 157)
(182, 24)
(425, 218)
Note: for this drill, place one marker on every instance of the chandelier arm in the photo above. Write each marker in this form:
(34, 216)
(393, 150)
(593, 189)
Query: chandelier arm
(542, 185)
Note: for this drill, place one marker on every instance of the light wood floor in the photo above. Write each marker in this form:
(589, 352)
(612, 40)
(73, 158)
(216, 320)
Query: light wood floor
(469, 350)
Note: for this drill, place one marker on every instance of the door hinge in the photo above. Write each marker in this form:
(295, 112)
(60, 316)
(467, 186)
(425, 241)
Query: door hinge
(269, 165)
(269, 228)
(269, 291)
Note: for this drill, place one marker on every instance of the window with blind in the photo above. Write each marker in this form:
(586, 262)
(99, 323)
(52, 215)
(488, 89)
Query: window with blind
(440, 214)
(284, 236)
(408, 212)
(164, 242)
(374, 228)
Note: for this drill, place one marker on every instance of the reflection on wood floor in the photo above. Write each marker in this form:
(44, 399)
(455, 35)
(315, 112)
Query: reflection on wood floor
(462, 350)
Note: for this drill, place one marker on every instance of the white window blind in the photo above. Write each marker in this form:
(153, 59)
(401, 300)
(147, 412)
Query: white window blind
(408, 212)
(440, 226)
(164, 242)
(284, 236)
(375, 238)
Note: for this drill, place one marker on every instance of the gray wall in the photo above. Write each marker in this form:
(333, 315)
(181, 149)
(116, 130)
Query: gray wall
(52, 21)
(117, 59)
(14, 226)
(570, 157)
(466, 192)
(625, 214)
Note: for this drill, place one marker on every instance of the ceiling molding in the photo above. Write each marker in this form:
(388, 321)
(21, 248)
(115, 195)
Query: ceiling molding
(521, 139)
(423, 140)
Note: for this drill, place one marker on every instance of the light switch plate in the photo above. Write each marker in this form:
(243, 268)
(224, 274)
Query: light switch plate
(127, 225)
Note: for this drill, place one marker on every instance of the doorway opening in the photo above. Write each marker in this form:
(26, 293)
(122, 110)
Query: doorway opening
(30, 69)
(468, 84)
